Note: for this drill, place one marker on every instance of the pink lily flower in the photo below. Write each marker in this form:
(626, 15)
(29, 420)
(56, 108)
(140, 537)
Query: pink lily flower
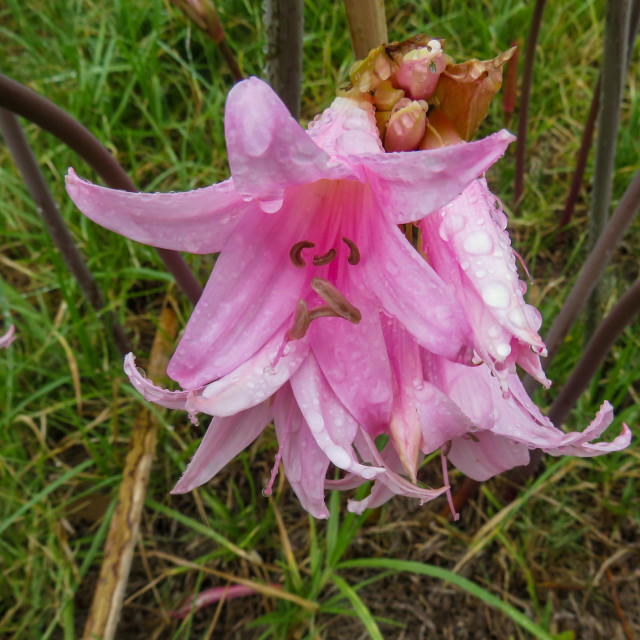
(310, 254)
(8, 338)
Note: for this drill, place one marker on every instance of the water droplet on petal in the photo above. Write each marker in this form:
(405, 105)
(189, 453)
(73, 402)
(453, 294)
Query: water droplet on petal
(503, 350)
(478, 243)
(496, 295)
(271, 206)
(450, 225)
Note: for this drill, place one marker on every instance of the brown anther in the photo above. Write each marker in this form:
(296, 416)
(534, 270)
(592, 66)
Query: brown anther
(335, 301)
(301, 322)
(325, 258)
(354, 252)
(446, 448)
(470, 436)
(295, 255)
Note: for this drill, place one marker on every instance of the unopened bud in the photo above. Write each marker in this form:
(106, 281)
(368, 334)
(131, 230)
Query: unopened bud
(405, 128)
(420, 70)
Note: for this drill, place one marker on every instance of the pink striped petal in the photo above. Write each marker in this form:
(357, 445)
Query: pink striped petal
(409, 290)
(305, 463)
(253, 288)
(198, 221)
(268, 150)
(225, 438)
(254, 380)
(441, 174)
(331, 425)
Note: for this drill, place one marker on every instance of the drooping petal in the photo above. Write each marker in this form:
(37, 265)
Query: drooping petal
(331, 425)
(254, 380)
(391, 478)
(225, 438)
(268, 150)
(486, 455)
(305, 464)
(470, 233)
(198, 221)
(441, 174)
(253, 288)
(151, 392)
(409, 290)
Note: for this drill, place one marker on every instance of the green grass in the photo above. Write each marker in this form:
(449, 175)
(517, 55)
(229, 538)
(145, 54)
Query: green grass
(152, 89)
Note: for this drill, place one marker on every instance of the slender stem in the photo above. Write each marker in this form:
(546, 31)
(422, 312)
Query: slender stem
(284, 21)
(587, 135)
(46, 206)
(595, 352)
(204, 15)
(613, 78)
(28, 104)
(367, 25)
(592, 269)
(525, 95)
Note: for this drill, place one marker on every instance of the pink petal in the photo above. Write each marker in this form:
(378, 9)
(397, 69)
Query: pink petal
(305, 464)
(8, 337)
(254, 380)
(198, 221)
(253, 289)
(331, 425)
(354, 361)
(488, 456)
(225, 438)
(409, 290)
(412, 185)
(391, 477)
(268, 150)
(151, 392)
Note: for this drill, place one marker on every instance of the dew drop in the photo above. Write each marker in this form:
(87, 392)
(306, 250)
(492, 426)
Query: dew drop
(496, 295)
(478, 243)
(450, 225)
(271, 206)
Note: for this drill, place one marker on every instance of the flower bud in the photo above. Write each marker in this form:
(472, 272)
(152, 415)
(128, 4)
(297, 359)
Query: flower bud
(420, 70)
(406, 127)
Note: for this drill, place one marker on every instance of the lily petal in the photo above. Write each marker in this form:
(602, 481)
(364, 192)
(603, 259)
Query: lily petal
(305, 464)
(268, 150)
(331, 425)
(253, 288)
(198, 221)
(441, 173)
(486, 455)
(254, 380)
(225, 438)
(409, 290)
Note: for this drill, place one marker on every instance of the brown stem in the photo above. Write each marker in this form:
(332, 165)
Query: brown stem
(204, 15)
(595, 352)
(284, 22)
(525, 95)
(48, 210)
(28, 104)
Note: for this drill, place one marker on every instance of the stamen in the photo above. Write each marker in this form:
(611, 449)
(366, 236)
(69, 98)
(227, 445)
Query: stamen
(295, 254)
(445, 474)
(335, 300)
(301, 321)
(325, 258)
(354, 252)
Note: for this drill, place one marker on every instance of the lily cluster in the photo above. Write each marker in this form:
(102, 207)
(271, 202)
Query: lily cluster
(323, 317)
